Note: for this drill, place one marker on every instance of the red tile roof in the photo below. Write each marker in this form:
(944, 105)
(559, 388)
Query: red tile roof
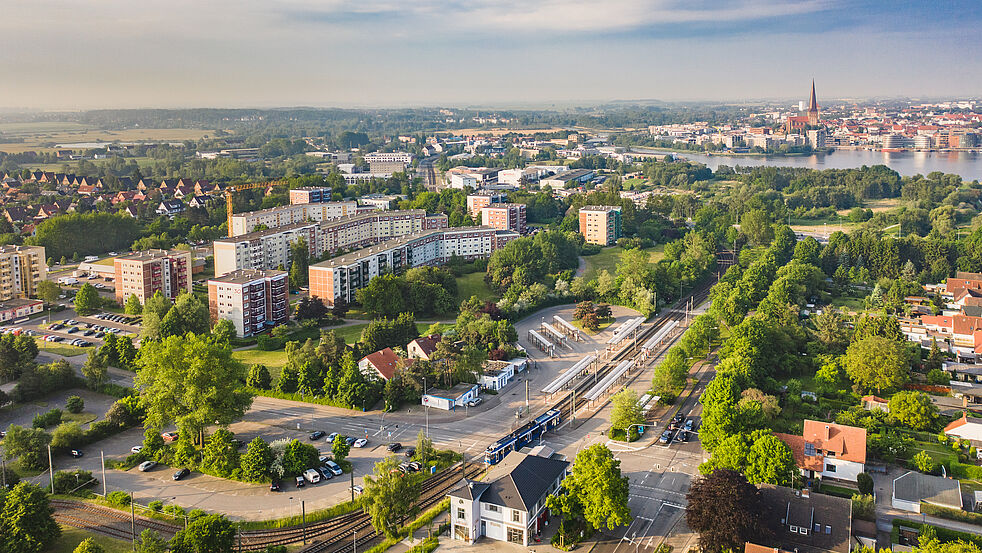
(427, 344)
(384, 362)
(797, 445)
(848, 442)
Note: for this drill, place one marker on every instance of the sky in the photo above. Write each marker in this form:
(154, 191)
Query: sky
(74, 54)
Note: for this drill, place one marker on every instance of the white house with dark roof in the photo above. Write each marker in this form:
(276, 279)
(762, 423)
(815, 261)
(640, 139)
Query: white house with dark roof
(511, 504)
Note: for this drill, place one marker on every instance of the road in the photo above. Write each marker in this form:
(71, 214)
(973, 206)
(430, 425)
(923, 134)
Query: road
(428, 172)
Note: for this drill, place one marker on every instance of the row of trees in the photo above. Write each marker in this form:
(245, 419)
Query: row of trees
(423, 291)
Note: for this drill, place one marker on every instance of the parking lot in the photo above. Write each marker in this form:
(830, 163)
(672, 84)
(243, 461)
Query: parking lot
(78, 331)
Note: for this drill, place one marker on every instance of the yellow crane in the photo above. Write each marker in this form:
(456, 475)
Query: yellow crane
(229, 191)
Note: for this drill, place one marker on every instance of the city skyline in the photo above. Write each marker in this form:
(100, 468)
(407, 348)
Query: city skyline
(391, 54)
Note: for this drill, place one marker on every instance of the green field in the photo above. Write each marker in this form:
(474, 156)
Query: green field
(609, 257)
(71, 537)
(474, 285)
(65, 350)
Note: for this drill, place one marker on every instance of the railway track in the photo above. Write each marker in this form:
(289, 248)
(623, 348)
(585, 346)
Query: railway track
(106, 520)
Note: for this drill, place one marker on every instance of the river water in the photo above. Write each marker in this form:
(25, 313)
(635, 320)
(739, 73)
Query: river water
(966, 164)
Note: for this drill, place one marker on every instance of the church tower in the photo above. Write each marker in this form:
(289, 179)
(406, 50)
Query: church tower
(813, 107)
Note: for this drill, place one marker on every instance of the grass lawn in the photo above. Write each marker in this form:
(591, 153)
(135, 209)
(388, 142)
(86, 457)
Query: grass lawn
(849, 303)
(81, 418)
(71, 537)
(474, 285)
(110, 261)
(609, 257)
(66, 350)
(600, 328)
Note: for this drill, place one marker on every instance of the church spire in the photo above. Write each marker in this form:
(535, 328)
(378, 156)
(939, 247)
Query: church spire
(813, 103)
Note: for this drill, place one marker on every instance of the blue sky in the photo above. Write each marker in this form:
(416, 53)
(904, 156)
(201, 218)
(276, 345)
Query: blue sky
(75, 54)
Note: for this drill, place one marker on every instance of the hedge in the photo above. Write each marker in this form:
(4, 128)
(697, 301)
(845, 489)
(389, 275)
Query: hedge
(951, 514)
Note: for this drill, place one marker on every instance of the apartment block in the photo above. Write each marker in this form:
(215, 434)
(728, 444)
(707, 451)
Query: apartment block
(21, 269)
(244, 223)
(389, 157)
(253, 301)
(478, 201)
(269, 249)
(310, 195)
(505, 216)
(342, 276)
(600, 224)
(144, 273)
(386, 167)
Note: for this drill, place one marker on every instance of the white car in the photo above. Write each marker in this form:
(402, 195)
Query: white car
(360, 442)
(147, 465)
(312, 476)
(136, 449)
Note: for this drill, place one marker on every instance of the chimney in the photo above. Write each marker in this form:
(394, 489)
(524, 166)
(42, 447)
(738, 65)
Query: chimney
(828, 432)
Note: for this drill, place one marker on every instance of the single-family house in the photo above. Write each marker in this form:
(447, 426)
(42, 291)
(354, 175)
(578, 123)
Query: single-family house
(170, 207)
(803, 522)
(873, 403)
(965, 428)
(828, 450)
(423, 347)
(381, 364)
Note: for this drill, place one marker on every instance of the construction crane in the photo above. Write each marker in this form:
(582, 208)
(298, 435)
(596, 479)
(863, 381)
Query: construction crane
(229, 191)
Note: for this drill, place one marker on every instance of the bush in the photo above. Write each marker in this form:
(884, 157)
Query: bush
(196, 513)
(74, 404)
(44, 420)
(66, 482)
(864, 507)
(175, 510)
(156, 506)
(119, 499)
(865, 483)
(938, 377)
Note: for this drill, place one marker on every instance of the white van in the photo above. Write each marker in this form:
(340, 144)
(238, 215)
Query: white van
(68, 281)
(312, 476)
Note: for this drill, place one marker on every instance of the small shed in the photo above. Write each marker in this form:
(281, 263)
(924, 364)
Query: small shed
(913, 488)
(448, 400)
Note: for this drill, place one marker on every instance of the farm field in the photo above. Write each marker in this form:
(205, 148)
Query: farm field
(45, 137)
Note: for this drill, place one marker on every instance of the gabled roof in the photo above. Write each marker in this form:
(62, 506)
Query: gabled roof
(797, 445)
(469, 489)
(918, 487)
(785, 507)
(427, 344)
(384, 362)
(848, 442)
(966, 325)
(964, 421)
(520, 480)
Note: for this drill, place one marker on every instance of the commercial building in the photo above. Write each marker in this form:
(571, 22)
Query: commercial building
(21, 269)
(568, 178)
(310, 195)
(450, 400)
(145, 273)
(342, 276)
(479, 200)
(17, 308)
(510, 504)
(600, 224)
(269, 249)
(505, 216)
(244, 223)
(380, 201)
(389, 157)
(252, 300)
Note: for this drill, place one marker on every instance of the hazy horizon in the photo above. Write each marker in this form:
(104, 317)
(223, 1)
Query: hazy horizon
(482, 54)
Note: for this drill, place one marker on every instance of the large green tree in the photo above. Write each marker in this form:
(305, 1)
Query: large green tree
(725, 510)
(192, 382)
(389, 496)
(26, 521)
(913, 409)
(206, 534)
(220, 455)
(877, 363)
(27, 444)
(48, 291)
(87, 299)
(299, 262)
(626, 411)
(595, 490)
(257, 460)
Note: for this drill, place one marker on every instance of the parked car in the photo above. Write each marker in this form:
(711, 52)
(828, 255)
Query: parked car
(169, 436)
(415, 467)
(334, 467)
(475, 402)
(688, 424)
(358, 489)
(331, 436)
(300, 482)
(683, 435)
(76, 453)
(394, 446)
(181, 473)
(147, 465)
(274, 486)
(349, 440)
(312, 476)
(361, 442)
(325, 473)
(136, 449)
(410, 452)
(316, 435)
(404, 467)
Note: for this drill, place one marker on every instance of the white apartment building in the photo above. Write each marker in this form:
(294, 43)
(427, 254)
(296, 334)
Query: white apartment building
(270, 249)
(244, 223)
(342, 276)
(389, 157)
(510, 504)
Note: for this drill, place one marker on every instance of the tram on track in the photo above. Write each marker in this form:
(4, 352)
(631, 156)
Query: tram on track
(522, 436)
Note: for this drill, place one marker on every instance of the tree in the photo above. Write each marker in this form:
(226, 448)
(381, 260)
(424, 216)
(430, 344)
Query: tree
(191, 381)
(865, 483)
(298, 457)
(189, 315)
(259, 377)
(74, 404)
(625, 412)
(87, 299)
(67, 435)
(88, 545)
(257, 460)
(220, 455)
(206, 534)
(26, 521)
(864, 506)
(877, 363)
(299, 262)
(725, 510)
(95, 371)
(223, 331)
(132, 305)
(590, 322)
(154, 310)
(29, 444)
(424, 448)
(770, 461)
(48, 291)
(340, 448)
(913, 409)
(756, 226)
(310, 308)
(389, 496)
(596, 492)
(151, 542)
(125, 352)
(924, 462)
